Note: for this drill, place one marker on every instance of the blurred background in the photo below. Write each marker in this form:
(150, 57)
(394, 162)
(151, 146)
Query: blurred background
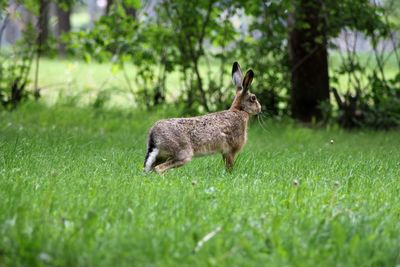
(317, 61)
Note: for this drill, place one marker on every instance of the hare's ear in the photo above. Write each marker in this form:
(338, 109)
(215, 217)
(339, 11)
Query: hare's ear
(247, 81)
(237, 76)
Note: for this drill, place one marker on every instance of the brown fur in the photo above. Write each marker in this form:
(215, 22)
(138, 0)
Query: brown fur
(175, 141)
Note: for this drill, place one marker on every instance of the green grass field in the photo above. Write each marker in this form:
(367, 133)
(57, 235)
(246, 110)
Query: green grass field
(72, 193)
(74, 79)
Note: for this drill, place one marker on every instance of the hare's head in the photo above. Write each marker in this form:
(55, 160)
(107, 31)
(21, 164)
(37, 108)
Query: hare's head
(244, 100)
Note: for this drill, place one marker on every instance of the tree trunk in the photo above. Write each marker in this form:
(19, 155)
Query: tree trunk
(63, 26)
(41, 41)
(203, 97)
(130, 11)
(309, 61)
(108, 7)
(43, 23)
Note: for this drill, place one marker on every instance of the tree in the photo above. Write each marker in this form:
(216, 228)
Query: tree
(108, 6)
(309, 61)
(193, 23)
(43, 23)
(63, 25)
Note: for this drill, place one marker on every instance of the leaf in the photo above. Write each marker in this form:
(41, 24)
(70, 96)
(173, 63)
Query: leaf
(87, 57)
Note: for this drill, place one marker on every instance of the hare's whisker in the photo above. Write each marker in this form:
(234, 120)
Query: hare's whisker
(265, 114)
(264, 123)
(259, 118)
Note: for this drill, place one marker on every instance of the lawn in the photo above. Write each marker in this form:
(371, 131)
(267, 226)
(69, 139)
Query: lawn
(72, 193)
(81, 82)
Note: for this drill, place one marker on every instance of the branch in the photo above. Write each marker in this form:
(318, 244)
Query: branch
(205, 23)
(3, 27)
(304, 59)
(338, 99)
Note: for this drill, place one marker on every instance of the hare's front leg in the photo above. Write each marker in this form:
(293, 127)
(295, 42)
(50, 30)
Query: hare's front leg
(229, 159)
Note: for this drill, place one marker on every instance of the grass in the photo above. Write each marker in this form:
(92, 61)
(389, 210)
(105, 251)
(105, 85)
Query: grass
(74, 79)
(72, 193)
(70, 78)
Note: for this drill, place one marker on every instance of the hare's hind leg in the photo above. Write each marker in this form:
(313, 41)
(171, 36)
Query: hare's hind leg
(179, 160)
(170, 164)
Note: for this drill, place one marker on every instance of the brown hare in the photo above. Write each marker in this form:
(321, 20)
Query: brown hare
(173, 142)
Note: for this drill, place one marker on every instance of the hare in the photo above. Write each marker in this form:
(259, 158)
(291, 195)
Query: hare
(173, 142)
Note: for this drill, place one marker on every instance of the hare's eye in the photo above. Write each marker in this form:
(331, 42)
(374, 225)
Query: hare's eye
(253, 98)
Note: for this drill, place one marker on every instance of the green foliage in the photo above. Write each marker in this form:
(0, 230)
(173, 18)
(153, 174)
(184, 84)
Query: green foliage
(372, 96)
(268, 53)
(15, 66)
(173, 40)
(111, 38)
(65, 4)
(120, 38)
(3, 4)
(193, 24)
(72, 193)
(360, 15)
(382, 104)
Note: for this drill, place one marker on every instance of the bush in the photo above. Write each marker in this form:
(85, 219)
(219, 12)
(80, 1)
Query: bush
(15, 66)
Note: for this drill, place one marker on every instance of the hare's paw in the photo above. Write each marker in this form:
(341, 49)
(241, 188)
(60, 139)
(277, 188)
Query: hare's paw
(159, 169)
